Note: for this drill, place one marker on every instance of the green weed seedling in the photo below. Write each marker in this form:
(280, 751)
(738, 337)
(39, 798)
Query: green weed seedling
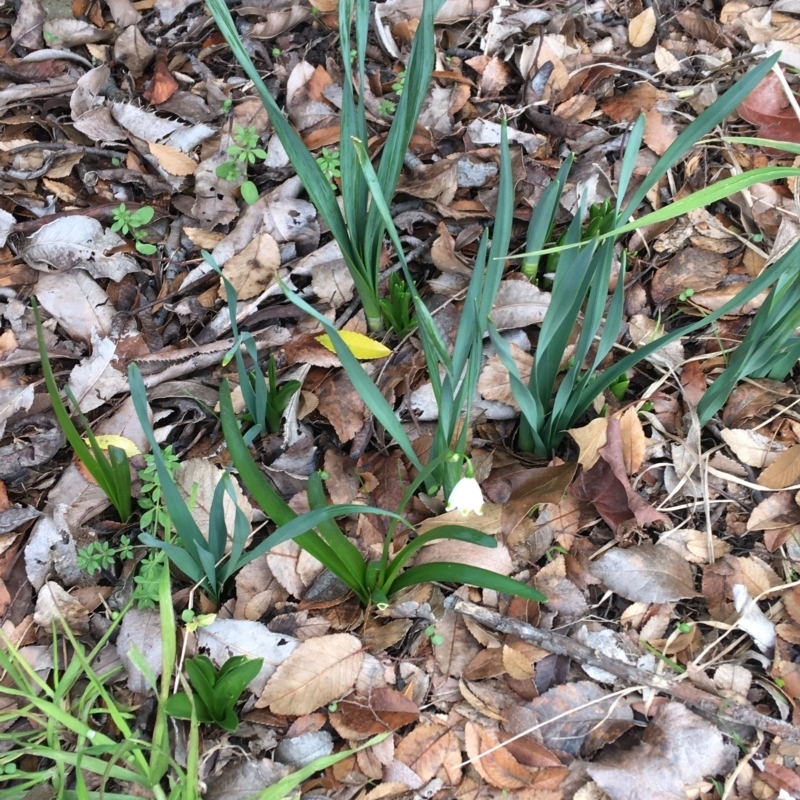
(112, 472)
(134, 222)
(215, 692)
(357, 227)
(244, 152)
(330, 164)
(552, 403)
(98, 556)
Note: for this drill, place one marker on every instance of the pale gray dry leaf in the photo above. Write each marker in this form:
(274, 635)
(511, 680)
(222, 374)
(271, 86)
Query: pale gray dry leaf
(605, 642)
(751, 447)
(78, 242)
(54, 604)
(519, 304)
(451, 11)
(66, 33)
(133, 50)
(140, 630)
(507, 22)
(279, 20)
(96, 380)
(12, 400)
(123, 13)
(27, 28)
(197, 479)
(483, 132)
(240, 780)
(7, 221)
(332, 283)
(214, 203)
(753, 620)
(678, 749)
(299, 751)
(649, 573)
(51, 551)
(584, 728)
(25, 92)
(150, 127)
(77, 303)
(12, 518)
(226, 638)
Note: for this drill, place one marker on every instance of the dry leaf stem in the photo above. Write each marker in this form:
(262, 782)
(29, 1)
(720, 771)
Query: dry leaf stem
(718, 709)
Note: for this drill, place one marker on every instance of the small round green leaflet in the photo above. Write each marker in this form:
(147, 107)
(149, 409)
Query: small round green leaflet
(249, 193)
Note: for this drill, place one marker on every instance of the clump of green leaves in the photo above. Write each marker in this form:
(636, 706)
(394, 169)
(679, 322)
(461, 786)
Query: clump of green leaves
(396, 307)
(551, 403)
(133, 223)
(330, 163)
(243, 152)
(264, 399)
(373, 581)
(98, 556)
(112, 471)
(215, 692)
(357, 226)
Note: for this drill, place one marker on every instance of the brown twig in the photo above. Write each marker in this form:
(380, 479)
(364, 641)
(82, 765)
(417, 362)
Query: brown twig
(718, 708)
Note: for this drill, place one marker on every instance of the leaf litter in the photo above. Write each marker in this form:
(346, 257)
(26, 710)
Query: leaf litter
(671, 549)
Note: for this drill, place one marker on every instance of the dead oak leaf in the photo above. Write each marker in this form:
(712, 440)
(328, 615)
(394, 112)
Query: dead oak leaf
(318, 672)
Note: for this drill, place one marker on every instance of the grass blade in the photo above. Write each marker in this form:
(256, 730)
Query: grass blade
(445, 572)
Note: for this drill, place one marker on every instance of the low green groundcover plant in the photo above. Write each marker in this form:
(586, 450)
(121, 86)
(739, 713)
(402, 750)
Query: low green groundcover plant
(215, 692)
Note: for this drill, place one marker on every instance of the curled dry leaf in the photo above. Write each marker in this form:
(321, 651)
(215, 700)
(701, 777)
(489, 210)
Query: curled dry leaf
(498, 768)
(783, 471)
(751, 447)
(319, 671)
(649, 573)
(596, 719)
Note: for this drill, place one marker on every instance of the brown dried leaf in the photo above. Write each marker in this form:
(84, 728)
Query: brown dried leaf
(499, 767)
(163, 85)
(776, 511)
(538, 487)
(783, 471)
(342, 405)
(634, 443)
(384, 709)
(251, 270)
(649, 573)
(691, 268)
(768, 107)
(172, 160)
(318, 672)
(428, 748)
(590, 438)
(580, 728)
(494, 382)
(751, 447)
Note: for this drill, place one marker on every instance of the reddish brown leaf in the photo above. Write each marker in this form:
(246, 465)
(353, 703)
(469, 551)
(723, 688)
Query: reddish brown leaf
(768, 107)
(163, 85)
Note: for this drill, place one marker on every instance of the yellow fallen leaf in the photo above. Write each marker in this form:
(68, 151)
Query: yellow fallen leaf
(173, 161)
(642, 27)
(107, 440)
(362, 347)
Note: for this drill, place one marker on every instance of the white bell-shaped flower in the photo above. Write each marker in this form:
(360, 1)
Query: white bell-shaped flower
(466, 496)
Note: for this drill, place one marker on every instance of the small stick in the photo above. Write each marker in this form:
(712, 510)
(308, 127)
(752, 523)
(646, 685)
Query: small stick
(719, 708)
